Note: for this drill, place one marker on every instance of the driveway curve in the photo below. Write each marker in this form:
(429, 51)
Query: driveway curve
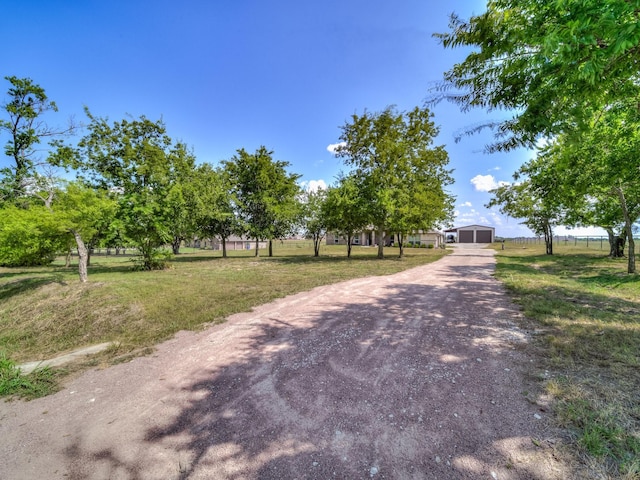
(420, 374)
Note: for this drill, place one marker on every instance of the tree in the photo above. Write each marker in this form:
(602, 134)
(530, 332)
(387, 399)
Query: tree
(603, 169)
(533, 197)
(27, 104)
(266, 195)
(393, 157)
(215, 211)
(135, 159)
(313, 219)
(547, 62)
(344, 210)
(181, 196)
(85, 213)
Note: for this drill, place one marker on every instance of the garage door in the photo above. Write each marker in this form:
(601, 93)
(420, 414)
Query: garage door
(465, 236)
(483, 236)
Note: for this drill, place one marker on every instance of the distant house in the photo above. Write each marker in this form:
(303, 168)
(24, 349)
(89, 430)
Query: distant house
(431, 237)
(472, 234)
(234, 242)
(368, 238)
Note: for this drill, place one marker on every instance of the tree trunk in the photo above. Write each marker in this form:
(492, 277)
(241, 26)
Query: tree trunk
(67, 261)
(631, 262)
(548, 239)
(380, 235)
(270, 247)
(349, 246)
(83, 257)
(616, 243)
(257, 251)
(317, 239)
(175, 245)
(224, 247)
(401, 245)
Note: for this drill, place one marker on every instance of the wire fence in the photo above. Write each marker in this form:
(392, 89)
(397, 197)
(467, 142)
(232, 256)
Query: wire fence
(593, 242)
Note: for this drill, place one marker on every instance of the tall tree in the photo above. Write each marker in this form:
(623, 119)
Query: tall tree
(26, 128)
(266, 194)
(603, 165)
(134, 158)
(534, 198)
(181, 195)
(344, 210)
(85, 213)
(216, 208)
(392, 155)
(314, 222)
(549, 62)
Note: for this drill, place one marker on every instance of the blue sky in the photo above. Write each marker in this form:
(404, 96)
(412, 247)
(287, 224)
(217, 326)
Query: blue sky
(225, 75)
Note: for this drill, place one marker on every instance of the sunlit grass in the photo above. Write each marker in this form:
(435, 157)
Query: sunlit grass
(586, 310)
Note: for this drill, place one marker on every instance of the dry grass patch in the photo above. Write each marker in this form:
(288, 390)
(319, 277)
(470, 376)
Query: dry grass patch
(46, 311)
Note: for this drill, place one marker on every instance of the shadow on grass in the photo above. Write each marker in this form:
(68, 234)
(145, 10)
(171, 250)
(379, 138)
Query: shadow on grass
(359, 388)
(22, 285)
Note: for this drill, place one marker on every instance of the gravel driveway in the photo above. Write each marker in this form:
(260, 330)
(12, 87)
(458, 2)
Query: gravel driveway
(421, 374)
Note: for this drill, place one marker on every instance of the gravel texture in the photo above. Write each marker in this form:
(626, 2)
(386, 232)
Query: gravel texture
(421, 374)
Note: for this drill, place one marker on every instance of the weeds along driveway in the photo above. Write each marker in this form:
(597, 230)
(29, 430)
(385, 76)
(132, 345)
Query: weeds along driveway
(421, 374)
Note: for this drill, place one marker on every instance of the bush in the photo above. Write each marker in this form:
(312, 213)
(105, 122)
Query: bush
(29, 237)
(430, 245)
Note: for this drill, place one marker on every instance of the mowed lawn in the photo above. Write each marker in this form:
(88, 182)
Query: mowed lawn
(46, 311)
(584, 312)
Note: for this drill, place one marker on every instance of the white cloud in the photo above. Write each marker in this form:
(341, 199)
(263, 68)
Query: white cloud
(465, 204)
(313, 185)
(484, 183)
(332, 147)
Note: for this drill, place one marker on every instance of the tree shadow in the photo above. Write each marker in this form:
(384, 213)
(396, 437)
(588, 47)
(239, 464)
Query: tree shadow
(24, 285)
(404, 380)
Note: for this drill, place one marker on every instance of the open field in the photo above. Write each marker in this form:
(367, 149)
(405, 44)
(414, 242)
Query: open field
(584, 311)
(45, 311)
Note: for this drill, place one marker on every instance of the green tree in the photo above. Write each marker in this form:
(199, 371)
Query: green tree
(401, 174)
(85, 213)
(266, 195)
(181, 196)
(533, 197)
(215, 212)
(314, 222)
(548, 62)
(603, 170)
(135, 159)
(344, 210)
(26, 128)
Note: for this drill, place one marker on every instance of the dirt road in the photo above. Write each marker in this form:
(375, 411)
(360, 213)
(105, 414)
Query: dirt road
(421, 374)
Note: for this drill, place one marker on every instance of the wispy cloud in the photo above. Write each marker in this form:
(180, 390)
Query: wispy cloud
(465, 204)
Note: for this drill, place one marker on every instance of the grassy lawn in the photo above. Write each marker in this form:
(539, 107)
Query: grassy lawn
(585, 312)
(46, 311)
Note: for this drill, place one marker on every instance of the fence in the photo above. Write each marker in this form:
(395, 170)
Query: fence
(593, 242)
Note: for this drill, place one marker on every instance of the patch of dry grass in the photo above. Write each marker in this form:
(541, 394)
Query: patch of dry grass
(46, 311)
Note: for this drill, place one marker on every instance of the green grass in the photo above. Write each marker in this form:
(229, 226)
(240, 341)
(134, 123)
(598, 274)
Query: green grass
(13, 383)
(585, 311)
(46, 311)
